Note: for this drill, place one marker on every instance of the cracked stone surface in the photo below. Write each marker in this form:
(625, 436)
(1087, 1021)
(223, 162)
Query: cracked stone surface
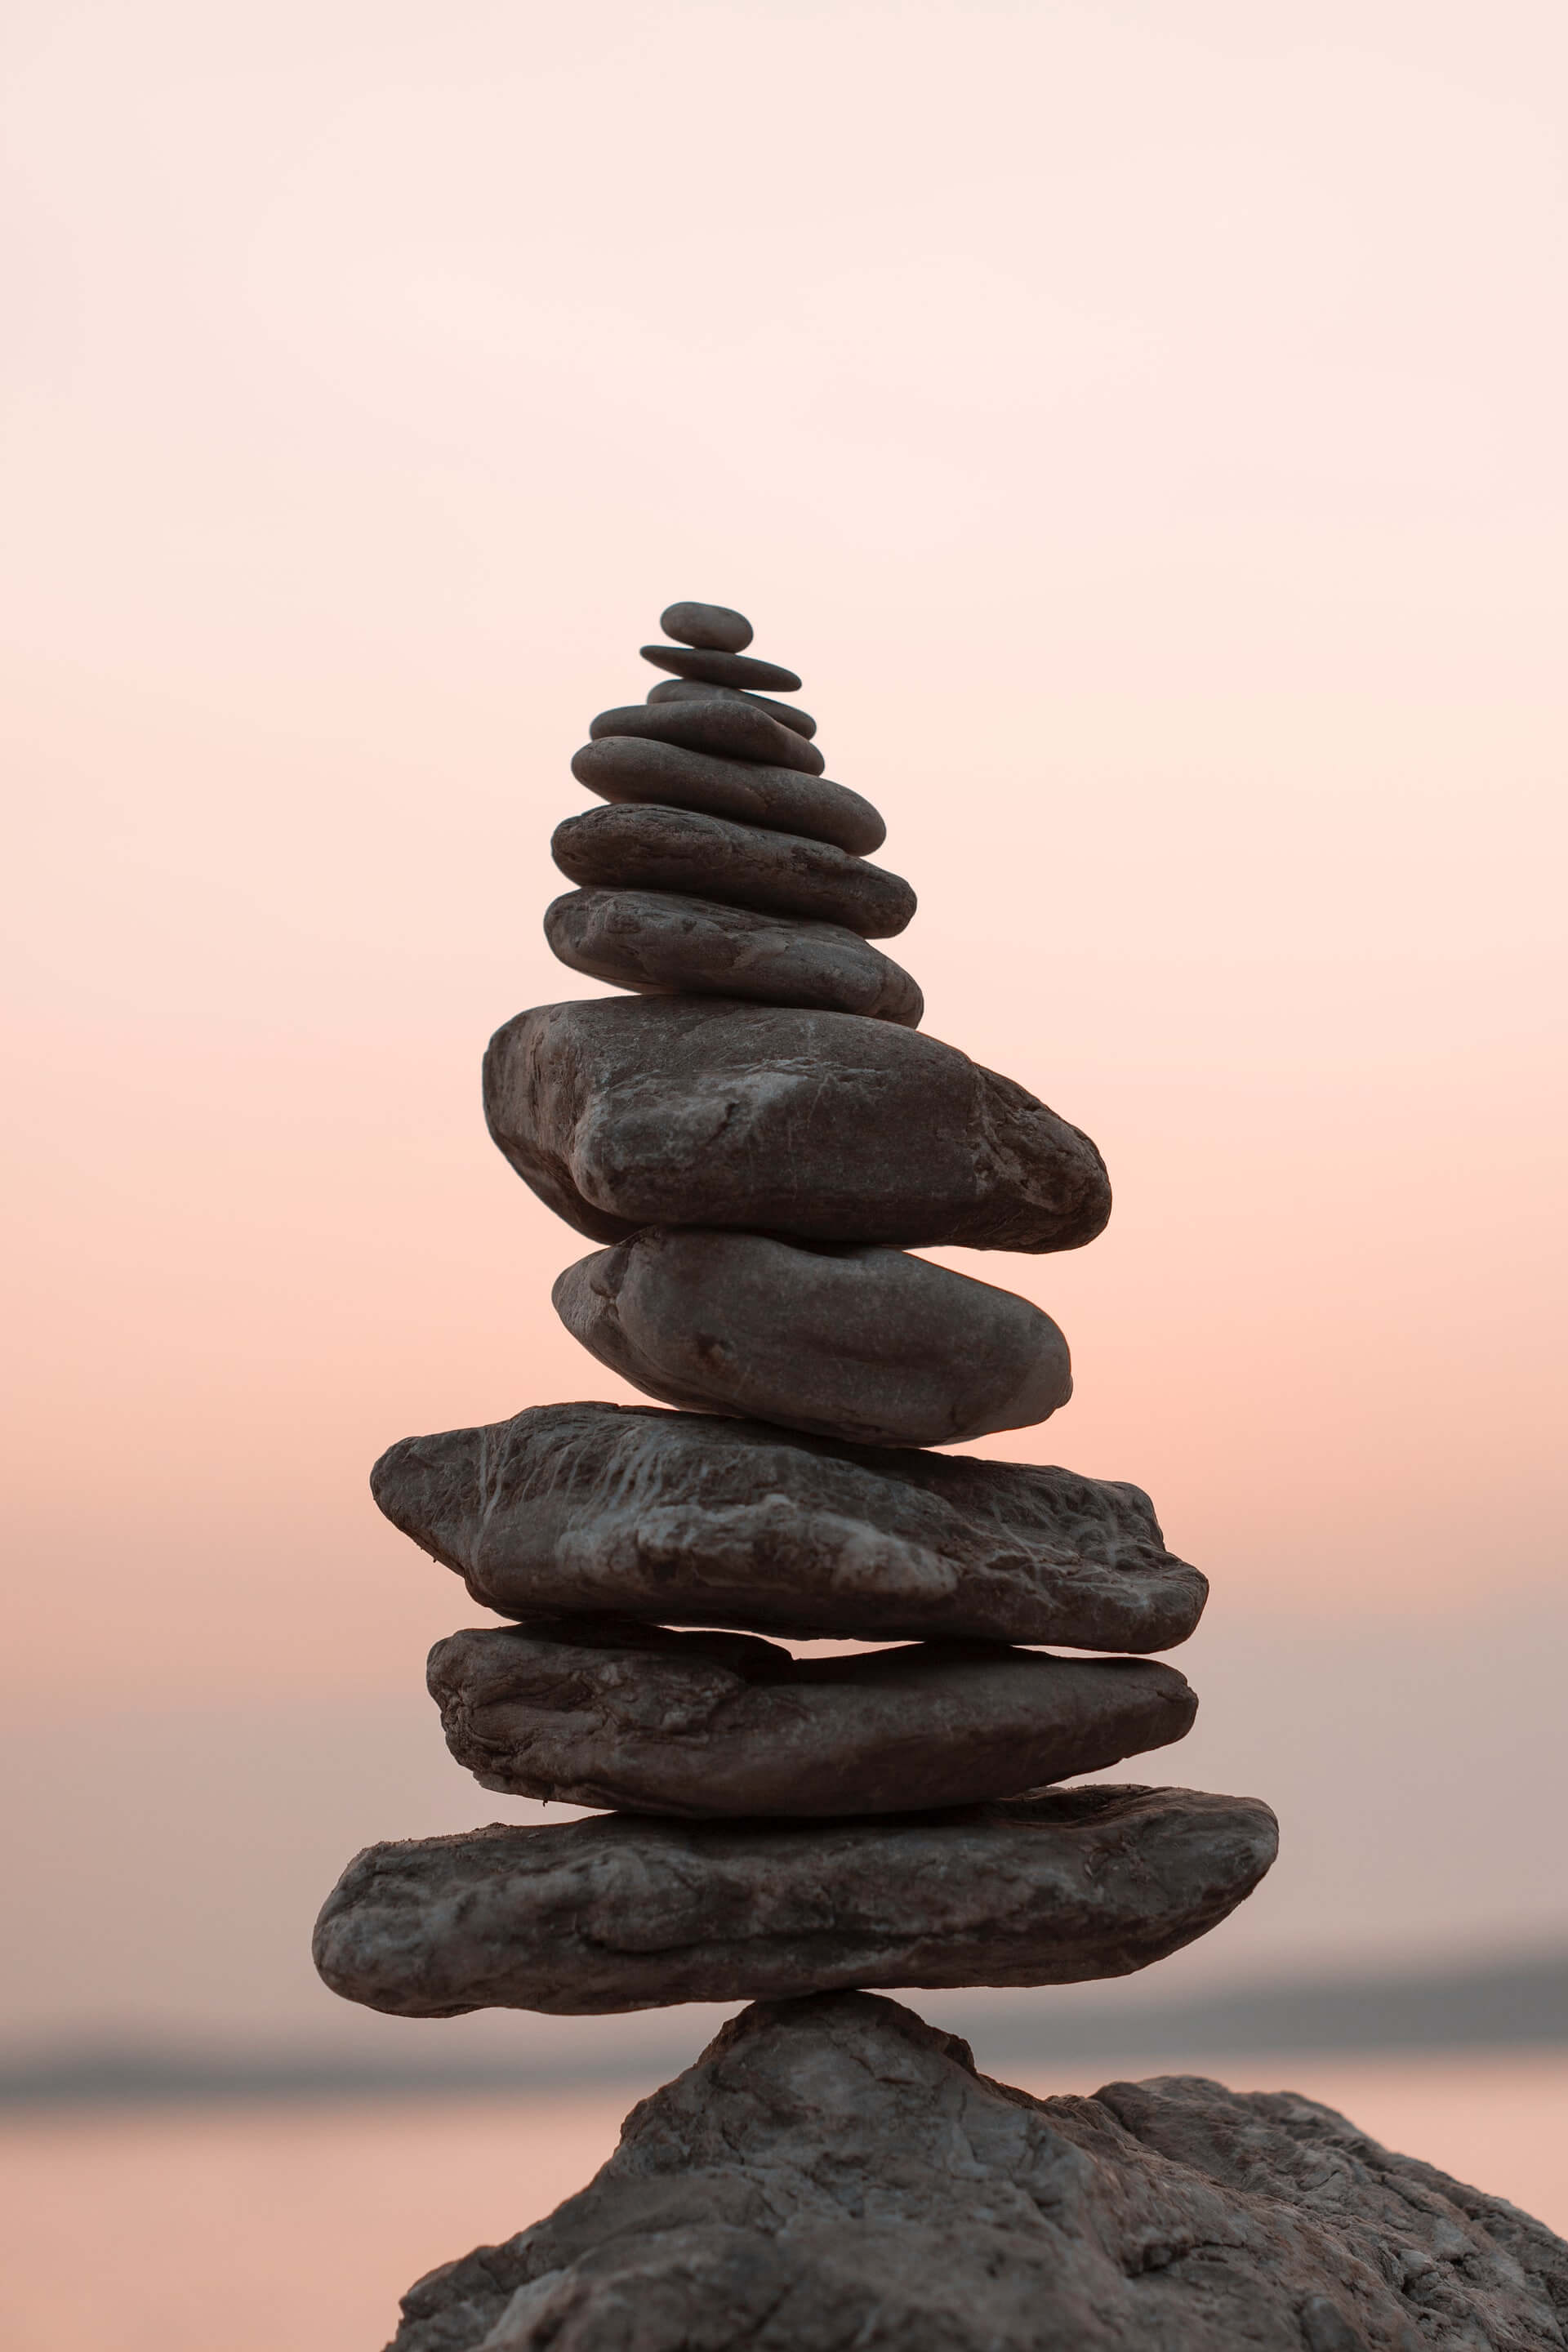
(588, 1711)
(689, 1519)
(622, 1113)
(630, 1911)
(863, 1344)
(831, 2176)
(703, 857)
(753, 792)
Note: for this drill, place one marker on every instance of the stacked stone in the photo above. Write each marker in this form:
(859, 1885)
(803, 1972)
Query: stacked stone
(758, 1134)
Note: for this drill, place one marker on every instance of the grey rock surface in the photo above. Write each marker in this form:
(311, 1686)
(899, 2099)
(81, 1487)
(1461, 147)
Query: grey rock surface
(732, 729)
(684, 1518)
(624, 1911)
(665, 945)
(649, 848)
(856, 1343)
(750, 791)
(723, 669)
(690, 689)
(588, 1711)
(717, 627)
(834, 2174)
(687, 1111)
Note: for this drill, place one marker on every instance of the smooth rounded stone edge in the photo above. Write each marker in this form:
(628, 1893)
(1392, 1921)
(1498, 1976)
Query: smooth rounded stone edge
(712, 628)
(749, 792)
(729, 729)
(722, 669)
(640, 846)
(686, 690)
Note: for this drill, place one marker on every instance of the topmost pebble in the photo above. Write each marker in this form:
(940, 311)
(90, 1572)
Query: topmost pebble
(713, 628)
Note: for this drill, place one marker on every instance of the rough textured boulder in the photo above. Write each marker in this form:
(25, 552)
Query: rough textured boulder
(833, 2174)
(858, 1343)
(729, 728)
(622, 1113)
(626, 1911)
(588, 1712)
(662, 945)
(709, 857)
(624, 768)
(687, 1519)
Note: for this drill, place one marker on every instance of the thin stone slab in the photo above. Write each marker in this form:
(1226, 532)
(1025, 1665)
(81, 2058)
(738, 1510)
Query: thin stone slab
(679, 1111)
(834, 2174)
(683, 689)
(586, 1711)
(686, 1519)
(717, 628)
(865, 1345)
(626, 1911)
(723, 669)
(750, 791)
(731, 729)
(662, 945)
(645, 848)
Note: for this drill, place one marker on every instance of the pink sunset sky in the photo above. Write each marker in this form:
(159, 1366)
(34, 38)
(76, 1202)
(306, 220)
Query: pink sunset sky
(1142, 425)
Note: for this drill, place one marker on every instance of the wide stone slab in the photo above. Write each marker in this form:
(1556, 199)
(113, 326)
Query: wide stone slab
(866, 1345)
(664, 945)
(625, 1911)
(718, 668)
(731, 728)
(749, 792)
(684, 1518)
(639, 848)
(683, 690)
(588, 1711)
(674, 1111)
(833, 2173)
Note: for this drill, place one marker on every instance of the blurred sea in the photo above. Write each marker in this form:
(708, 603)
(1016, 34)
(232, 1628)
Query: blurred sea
(294, 2227)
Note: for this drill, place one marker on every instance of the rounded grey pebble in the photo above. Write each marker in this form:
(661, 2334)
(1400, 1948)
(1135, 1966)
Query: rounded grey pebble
(867, 1346)
(691, 690)
(753, 792)
(661, 945)
(722, 669)
(731, 730)
(715, 629)
(641, 846)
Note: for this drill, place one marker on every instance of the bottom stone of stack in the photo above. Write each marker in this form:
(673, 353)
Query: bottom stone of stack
(627, 1911)
(833, 2173)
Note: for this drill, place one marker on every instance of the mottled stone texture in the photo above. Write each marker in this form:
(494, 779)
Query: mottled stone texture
(716, 669)
(708, 856)
(683, 690)
(732, 729)
(625, 768)
(588, 1711)
(833, 2176)
(688, 1519)
(661, 945)
(862, 1344)
(675, 1111)
(626, 1911)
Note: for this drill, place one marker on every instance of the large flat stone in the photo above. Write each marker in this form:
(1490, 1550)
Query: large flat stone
(664, 945)
(749, 792)
(624, 1911)
(718, 668)
(588, 1711)
(648, 848)
(729, 727)
(683, 689)
(677, 1111)
(861, 1344)
(833, 2174)
(683, 1519)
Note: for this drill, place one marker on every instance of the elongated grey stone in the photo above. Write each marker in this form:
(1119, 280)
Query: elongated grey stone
(621, 768)
(711, 858)
(731, 729)
(723, 669)
(861, 1344)
(680, 1111)
(588, 1711)
(690, 1519)
(717, 627)
(683, 689)
(668, 946)
(833, 2173)
(626, 1911)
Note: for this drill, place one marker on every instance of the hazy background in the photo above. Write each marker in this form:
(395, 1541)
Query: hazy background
(1142, 426)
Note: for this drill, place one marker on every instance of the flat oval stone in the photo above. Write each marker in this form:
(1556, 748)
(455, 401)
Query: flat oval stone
(750, 791)
(622, 1911)
(683, 1111)
(584, 1711)
(723, 669)
(865, 1345)
(717, 628)
(681, 689)
(684, 1518)
(665, 946)
(646, 847)
(732, 730)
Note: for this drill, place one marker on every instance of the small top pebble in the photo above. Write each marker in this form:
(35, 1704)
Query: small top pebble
(713, 627)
